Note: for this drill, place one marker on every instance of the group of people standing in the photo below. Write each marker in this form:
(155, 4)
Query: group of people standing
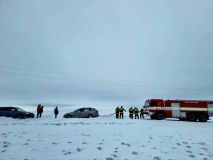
(119, 112)
(133, 112)
(40, 110)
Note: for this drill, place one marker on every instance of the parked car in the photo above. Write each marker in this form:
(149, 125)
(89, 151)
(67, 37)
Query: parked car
(82, 113)
(15, 112)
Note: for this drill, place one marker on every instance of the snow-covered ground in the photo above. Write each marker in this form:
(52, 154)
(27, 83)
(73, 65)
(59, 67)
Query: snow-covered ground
(104, 138)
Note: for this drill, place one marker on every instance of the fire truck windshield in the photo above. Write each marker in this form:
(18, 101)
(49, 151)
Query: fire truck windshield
(146, 103)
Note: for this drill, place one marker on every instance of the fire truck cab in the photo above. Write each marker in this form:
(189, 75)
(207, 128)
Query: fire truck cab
(191, 110)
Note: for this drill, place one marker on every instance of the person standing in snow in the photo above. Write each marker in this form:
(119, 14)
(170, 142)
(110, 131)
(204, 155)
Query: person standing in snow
(136, 111)
(122, 112)
(117, 111)
(38, 110)
(141, 113)
(131, 113)
(41, 111)
(56, 111)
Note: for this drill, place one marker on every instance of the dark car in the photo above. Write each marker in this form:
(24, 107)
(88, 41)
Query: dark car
(15, 112)
(82, 113)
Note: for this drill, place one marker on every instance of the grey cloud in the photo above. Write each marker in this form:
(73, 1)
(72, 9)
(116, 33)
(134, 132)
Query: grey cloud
(105, 51)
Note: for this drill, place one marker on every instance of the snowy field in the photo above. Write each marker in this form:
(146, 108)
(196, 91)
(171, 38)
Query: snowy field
(104, 138)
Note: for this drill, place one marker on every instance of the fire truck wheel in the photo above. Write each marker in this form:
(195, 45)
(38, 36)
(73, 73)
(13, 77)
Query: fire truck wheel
(160, 116)
(192, 117)
(203, 118)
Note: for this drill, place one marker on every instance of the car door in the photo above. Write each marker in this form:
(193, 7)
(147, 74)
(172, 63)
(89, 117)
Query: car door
(82, 113)
(13, 112)
(76, 113)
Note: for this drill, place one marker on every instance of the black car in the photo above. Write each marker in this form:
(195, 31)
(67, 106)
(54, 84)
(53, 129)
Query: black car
(15, 112)
(82, 113)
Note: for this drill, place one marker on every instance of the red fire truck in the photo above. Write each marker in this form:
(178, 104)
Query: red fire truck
(191, 110)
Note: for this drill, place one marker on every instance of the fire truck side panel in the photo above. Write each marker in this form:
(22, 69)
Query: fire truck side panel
(168, 109)
(187, 107)
(197, 108)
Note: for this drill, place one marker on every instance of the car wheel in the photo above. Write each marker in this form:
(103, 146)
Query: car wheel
(69, 116)
(20, 117)
(90, 116)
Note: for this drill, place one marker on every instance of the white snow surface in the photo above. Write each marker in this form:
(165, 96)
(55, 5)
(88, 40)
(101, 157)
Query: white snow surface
(104, 138)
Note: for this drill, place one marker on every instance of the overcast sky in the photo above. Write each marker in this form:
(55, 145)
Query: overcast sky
(105, 51)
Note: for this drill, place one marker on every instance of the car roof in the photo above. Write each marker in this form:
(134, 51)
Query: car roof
(86, 108)
(8, 107)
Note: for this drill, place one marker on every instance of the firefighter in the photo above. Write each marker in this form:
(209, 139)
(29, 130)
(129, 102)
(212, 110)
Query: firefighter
(136, 111)
(131, 113)
(141, 113)
(117, 111)
(122, 112)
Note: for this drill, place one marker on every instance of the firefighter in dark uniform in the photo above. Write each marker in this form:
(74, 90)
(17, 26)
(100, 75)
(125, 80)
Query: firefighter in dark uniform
(117, 111)
(141, 113)
(122, 112)
(136, 111)
(131, 113)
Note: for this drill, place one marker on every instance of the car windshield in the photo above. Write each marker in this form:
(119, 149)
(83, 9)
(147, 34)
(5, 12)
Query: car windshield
(76, 110)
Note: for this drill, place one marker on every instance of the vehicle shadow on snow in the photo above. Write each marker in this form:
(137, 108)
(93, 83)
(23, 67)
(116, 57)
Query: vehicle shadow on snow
(175, 120)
